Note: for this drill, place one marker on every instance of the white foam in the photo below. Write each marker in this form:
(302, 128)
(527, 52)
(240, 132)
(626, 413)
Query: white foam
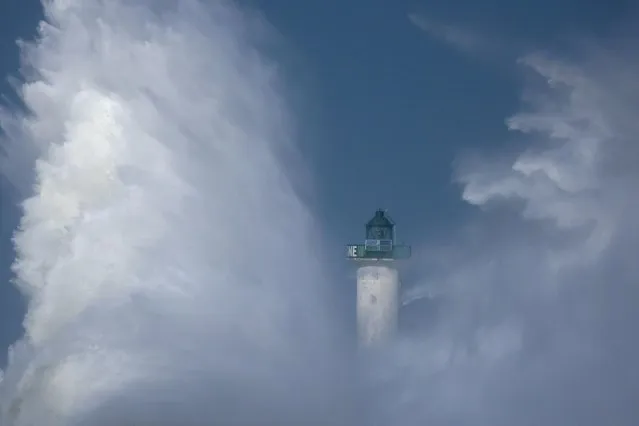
(163, 244)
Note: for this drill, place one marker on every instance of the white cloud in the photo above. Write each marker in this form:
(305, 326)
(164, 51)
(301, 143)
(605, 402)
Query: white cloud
(456, 36)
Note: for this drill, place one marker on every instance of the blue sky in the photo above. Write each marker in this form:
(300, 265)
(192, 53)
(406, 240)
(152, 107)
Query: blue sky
(17, 20)
(390, 101)
(386, 106)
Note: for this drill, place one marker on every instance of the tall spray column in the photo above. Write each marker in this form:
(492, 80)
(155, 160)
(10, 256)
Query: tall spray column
(378, 283)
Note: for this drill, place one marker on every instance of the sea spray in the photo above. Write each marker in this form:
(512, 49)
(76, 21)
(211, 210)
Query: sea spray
(156, 247)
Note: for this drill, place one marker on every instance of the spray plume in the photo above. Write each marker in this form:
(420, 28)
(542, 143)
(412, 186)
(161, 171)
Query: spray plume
(537, 297)
(155, 247)
(171, 270)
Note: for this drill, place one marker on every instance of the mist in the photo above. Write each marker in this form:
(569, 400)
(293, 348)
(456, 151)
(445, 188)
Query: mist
(172, 272)
(536, 297)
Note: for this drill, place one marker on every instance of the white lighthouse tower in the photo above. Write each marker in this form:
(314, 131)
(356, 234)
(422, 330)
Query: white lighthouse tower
(378, 283)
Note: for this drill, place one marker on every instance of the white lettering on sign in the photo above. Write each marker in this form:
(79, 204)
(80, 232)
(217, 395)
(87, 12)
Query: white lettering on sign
(352, 251)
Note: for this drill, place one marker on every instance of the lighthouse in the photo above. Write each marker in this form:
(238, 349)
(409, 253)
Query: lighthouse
(378, 282)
